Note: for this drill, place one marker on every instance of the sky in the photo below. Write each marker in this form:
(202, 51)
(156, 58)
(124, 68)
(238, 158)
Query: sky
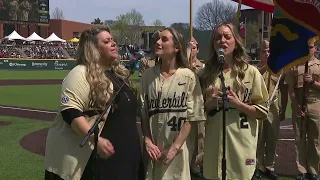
(168, 11)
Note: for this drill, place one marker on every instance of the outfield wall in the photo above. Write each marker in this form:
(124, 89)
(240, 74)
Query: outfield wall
(36, 64)
(42, 64)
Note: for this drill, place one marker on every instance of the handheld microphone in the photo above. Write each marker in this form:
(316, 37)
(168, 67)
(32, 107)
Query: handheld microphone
(221, 56)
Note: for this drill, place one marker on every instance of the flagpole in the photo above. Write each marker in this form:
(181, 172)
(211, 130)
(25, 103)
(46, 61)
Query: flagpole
(191, 27)
(262, 26)
(236, 22)
(245, 32)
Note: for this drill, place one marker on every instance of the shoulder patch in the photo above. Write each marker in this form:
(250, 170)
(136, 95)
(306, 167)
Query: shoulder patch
(64, 99)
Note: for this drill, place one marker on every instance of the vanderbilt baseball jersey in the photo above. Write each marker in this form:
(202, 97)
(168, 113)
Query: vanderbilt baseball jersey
(167, 104)
(241, 130)
(63, 156)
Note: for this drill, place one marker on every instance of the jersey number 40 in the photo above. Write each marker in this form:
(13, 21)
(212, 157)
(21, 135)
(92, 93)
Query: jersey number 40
(176, 123)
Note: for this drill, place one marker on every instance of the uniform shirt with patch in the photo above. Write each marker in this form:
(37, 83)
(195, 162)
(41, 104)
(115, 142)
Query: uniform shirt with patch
(167, 104)
(64, 157)
(295, 77)
(241, 130)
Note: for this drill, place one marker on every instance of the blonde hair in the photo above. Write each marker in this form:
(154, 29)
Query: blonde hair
(240, 61)
(89, 56)
(181, 56)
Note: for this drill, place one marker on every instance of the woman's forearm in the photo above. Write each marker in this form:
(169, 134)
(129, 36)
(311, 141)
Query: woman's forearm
(81, 127)
(250, 110)
(146, 130)
(183, 134)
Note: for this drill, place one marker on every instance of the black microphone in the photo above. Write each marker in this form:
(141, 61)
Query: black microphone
(221, 56)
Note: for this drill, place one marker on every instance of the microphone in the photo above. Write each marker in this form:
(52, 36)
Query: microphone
(221, 56)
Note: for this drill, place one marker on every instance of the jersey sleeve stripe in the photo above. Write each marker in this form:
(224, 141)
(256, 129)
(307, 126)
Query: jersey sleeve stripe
(261, 108)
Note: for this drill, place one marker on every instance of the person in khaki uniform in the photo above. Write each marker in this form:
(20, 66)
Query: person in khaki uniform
(307, 154)
(197, 154)
(193, 51)
(145, 64)
(268, 130)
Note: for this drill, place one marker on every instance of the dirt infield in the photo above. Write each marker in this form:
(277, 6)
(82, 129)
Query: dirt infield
(37, 82)
(3, 123)
(35, 141)
(30, 82)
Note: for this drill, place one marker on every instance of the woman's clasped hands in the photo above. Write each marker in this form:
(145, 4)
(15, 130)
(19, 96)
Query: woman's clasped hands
(165, 156)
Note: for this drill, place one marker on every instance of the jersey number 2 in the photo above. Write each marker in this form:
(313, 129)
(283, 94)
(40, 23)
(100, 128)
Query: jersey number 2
(176, 123)
(243, 121)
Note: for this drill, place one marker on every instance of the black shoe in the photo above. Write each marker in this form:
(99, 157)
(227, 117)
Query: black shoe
(302, 176)
(258, 174)
(271, 175)
(196, 176)
(313, 176)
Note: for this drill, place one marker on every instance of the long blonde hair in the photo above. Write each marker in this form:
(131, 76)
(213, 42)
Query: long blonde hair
(89, 56)
(181, 56)
(240, 61)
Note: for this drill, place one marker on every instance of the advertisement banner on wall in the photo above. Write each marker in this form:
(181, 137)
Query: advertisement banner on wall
(37, 64)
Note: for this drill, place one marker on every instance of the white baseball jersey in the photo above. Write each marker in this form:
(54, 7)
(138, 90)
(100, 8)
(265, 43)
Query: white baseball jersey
(241, 130)
(167, 104)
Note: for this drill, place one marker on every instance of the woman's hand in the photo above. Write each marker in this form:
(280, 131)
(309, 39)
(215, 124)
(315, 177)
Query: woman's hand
(168, 155)
(233, 98)
(105, 148)
(153, 151)
(213, 99)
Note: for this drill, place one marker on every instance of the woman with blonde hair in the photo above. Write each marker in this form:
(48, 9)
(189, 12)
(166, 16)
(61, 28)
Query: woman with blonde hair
(85, 91)
(247, 96)
(172, 102)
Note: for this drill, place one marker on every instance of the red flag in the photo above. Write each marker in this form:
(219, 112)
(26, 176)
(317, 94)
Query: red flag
(263, 5)
(294, 9)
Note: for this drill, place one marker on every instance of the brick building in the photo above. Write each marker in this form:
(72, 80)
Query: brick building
(62, 28)
(263, 19)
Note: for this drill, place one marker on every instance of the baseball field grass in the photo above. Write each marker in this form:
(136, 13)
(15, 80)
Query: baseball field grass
(17, 163)
(26, 75)
(45, 97)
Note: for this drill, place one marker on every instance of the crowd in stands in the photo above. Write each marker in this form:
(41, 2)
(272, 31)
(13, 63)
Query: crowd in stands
(9, 52)
(37, 50)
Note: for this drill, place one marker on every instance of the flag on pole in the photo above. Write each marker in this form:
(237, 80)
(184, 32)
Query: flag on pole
(263, 5)
(288, 43)
(294, 10)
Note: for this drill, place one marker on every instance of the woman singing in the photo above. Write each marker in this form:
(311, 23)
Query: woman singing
(172, 103)
(247, 95)
(84, 94)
